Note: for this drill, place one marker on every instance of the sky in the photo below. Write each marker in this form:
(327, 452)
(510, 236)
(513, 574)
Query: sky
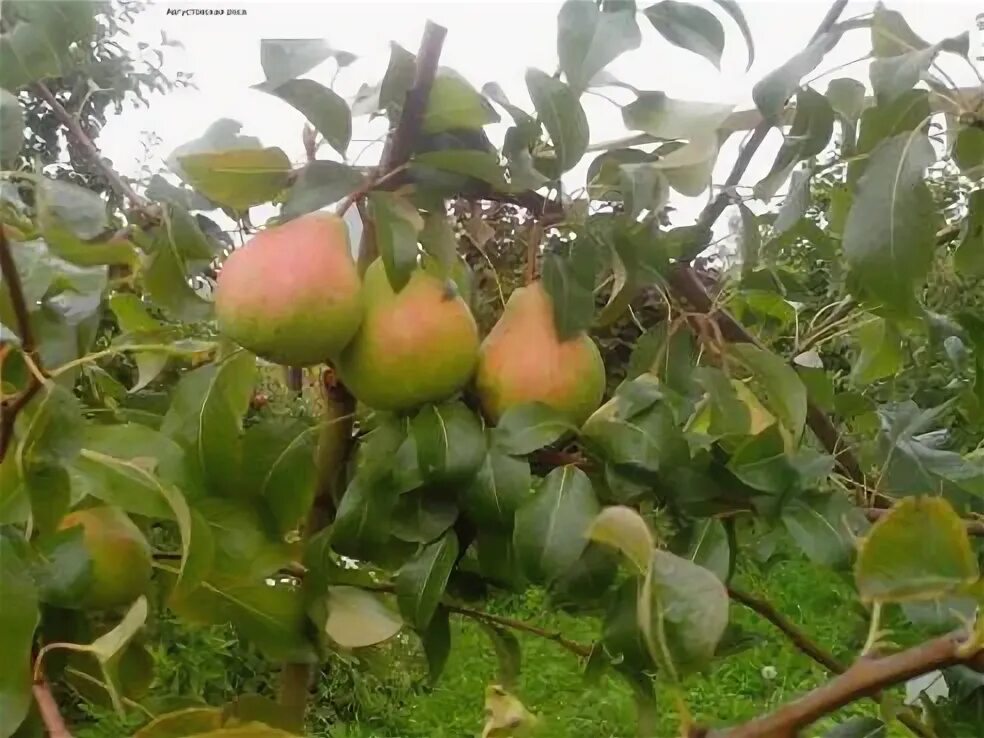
(486, 41)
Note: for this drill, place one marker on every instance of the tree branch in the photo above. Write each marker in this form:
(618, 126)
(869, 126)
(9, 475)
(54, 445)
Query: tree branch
(119, 185)
(50, 714)
(579, 649)
(865, 678)
(10, 408)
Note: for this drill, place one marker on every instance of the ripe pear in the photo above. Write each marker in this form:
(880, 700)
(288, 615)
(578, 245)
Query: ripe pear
(292, 294)
(119, 553)
(414, 346)
(523, 360)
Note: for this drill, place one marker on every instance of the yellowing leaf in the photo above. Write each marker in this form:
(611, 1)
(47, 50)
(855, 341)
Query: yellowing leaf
(624, 529)
(238, 178)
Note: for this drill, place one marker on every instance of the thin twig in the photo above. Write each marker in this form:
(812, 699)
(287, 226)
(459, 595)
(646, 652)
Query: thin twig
(122, 188)
(579, 649)
(371, 185)
(50, 714)
(865, 678)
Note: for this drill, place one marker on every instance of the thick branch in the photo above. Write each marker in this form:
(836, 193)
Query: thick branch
(9, 409)
(865, 678)
(50, 714)
(121, 187)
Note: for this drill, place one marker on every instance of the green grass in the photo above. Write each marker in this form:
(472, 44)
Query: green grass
(386, 695)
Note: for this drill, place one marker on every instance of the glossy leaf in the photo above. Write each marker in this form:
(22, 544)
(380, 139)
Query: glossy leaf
(449, 441)
(19, 617)
(892, 564)
(324, 108)
(499, 488)
(563, 117)
(624, 529)
(588, 38)
(689, 27)
(891, 228)
(773, 90)
(397, 225)
(523, 429)
(238, 178)
(551, 527)
(421, 582)
(206, 418)
(357, 618)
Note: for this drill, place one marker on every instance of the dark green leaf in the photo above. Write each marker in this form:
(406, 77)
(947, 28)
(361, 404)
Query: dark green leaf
(563, 117)
(449, 440)
(968, 152)
(969, 257)
(19, 616)
(750, 242)
(773, 90)
(784, 391)
(570, 282)
(279, 466)
(206, 417)
(507, 653)
(525, 428)
(908, 112)
(481, 165)
(454, 104)
(881, 351)
(324, 108)
(710, 548)
(420, 583)
(36, 45)
(501, 485)
(823, 528)
(436, 641)
(319, 184)
(357, 618)
(892, 564)
(11, 126)
(422, 515)
(551, 527)
(239, 178)
(733, 9)
(589, 580)
(242, 548)
(439, 242)
(689, 27)
(397, 225)
(588, 38)
(683, 611)
(284, 59)
(812, 128)
(891, 228)
(891, 35)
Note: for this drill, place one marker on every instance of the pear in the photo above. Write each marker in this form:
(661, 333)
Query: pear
(292, 294)
(523, 360)
(415, 346)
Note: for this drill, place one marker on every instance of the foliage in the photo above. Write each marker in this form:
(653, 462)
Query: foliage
(787, 402)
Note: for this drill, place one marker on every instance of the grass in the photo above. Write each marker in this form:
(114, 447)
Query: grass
(387, 695)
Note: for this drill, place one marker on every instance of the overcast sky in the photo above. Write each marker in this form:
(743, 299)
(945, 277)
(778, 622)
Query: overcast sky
(487, 41)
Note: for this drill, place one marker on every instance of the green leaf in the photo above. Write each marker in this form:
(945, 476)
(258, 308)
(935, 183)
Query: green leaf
(822, 528)
(569, 281)
(421, 582)
(69, 247)
(892, 564)
(733, 9)
(499, 488)
(483, 165)
(551, 527)
(324, 108)
(454, 104)
(182, 723)
(907, 113)
(11, 127)
(968, 152)
(588, 38)
(784, 391)
(238, 178)
(812, 128)
(62, 567)
(683, 612)
(19, 617)
(319, 184)
(881, 351)
(891, 35)
(846, 97)
(689, 27)
(565, 121)
(424, 514)
(436, 642)
(750, 241)
(891, 229)
(665, 117)
(893, 75)
(37, 38)
(710, 548)
(639, 256)
(859, 727)
(621, 635)
(588, 581)
(969, 256)
(357, 618)
(523, 429)
(796, 202)
(284, 59)
(82, 211)
(449, 440)
(439, 242)
(165, 278)
(772, 91)
(670, 358)
(206, 417)
(397, 225)
(279, 466)
(624, 529)
(507, 653)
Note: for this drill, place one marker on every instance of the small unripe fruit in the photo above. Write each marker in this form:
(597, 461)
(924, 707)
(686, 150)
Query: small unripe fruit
(523, 360)
(292, 294)
(417, 345)
(119, 553)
